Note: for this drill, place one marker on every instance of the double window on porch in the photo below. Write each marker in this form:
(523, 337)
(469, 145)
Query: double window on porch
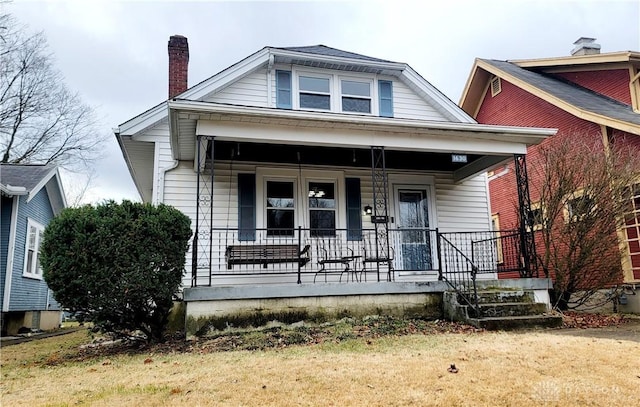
(281, 206)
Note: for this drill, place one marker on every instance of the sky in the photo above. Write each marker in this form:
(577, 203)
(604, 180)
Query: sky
(114, 53)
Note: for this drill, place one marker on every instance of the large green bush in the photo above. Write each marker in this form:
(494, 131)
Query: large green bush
(118, 265)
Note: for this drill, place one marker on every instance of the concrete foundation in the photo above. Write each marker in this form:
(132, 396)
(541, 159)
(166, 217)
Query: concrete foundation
(42, 320)
(215, 308)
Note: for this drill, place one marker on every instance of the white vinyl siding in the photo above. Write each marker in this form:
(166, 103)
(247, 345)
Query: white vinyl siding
(248, 91)
(408, 105)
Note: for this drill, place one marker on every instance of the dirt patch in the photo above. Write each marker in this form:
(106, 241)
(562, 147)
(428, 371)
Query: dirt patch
(274, 337)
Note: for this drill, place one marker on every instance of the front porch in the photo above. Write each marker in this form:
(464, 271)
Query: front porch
(256, 257)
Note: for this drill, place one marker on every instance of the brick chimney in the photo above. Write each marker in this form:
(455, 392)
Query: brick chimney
(178, 64)
(585, 46)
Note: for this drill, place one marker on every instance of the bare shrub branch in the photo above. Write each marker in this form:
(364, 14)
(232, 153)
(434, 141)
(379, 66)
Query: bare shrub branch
(581, 191)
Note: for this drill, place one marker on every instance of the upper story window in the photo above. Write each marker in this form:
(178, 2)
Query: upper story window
(32, 248)
(315, 93)
(356, 96)
(310, 90)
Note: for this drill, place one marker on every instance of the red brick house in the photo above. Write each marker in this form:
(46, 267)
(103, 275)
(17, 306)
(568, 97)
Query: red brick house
(589, 93)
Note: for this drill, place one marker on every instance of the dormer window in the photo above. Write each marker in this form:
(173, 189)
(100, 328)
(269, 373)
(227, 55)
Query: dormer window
(315, 93)
(356, 96)
(332, 92)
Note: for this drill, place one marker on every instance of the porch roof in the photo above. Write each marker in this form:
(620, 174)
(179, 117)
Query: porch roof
(493, 144)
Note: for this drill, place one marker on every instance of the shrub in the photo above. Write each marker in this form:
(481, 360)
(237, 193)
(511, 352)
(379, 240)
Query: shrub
(118, 265)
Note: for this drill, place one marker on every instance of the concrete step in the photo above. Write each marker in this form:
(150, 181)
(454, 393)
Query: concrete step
(517, 322)
(508, 309)
(503, 296)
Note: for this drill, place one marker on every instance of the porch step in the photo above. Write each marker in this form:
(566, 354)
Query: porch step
(507, 309)
(517, 322)
(505, 296)
(501, 309)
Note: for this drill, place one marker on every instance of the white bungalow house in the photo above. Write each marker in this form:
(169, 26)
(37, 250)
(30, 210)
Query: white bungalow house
(315, 175)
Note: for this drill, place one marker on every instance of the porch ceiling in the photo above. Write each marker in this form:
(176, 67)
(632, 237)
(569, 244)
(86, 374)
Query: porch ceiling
(339, 157)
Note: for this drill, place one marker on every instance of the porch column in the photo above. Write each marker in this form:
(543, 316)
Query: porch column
(380, 216)
(202, 245)
(527, 241)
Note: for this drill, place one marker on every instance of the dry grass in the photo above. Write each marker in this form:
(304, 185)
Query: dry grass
(495, 369)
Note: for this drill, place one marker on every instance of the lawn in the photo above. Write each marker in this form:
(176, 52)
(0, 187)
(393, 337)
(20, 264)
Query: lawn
(537, 368)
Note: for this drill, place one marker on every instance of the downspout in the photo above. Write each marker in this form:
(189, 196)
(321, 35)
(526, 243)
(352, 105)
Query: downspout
(161, 173)
(11, 247)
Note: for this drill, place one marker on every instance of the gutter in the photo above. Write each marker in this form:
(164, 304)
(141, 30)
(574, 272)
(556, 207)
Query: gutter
(209, 107)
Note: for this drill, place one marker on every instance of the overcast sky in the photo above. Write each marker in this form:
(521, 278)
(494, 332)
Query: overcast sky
(114, 53)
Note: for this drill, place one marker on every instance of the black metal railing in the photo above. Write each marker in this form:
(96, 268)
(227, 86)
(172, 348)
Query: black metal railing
(306, 255)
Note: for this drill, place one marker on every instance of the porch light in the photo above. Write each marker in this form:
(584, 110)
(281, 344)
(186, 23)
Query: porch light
(368, 210)
(315, 193)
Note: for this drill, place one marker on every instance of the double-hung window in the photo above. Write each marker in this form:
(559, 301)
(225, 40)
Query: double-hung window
(322, 208)
(315, 92)
(356, 96)
(281, 208)
(32, 248)
(578, 206)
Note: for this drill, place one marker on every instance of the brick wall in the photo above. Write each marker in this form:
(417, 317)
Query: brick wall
(613, 83)
(516, 107)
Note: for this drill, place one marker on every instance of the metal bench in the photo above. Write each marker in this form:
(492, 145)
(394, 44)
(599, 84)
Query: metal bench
(266, 254)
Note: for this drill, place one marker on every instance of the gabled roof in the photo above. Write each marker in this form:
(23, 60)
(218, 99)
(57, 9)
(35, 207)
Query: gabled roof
(575, 99)
(29, 179)
(320, 56)
(332, 52)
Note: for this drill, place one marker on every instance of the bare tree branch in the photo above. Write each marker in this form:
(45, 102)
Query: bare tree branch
(41, 121)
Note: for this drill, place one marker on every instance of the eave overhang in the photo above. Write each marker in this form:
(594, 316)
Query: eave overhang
(264, 125)
(482, 72)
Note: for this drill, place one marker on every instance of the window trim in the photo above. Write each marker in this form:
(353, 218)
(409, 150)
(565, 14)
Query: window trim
(318, 75)
(370, 81)
(299, 177)
(36, 269)
(495, 223)
(335, 89)
(566, 209)
(538, 225)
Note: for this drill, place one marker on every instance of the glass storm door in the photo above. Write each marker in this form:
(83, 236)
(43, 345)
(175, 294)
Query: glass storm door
(413, 220)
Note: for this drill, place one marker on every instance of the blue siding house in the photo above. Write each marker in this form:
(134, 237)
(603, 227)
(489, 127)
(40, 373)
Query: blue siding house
(31, 195)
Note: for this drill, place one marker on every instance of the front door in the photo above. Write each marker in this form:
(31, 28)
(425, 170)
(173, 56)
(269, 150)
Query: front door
(413, 223)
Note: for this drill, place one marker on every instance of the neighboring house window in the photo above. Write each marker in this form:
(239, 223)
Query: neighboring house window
(496, 86)
(537, 214)
(495, 226)
(577, 206)
(283, 89)
(315, 92)
(31, 251)
(632, 225)
(281, 208)
(322, 208)
(385, 96)
(356, 96)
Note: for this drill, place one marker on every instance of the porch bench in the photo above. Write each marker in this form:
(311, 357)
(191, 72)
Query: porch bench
(266, 254)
